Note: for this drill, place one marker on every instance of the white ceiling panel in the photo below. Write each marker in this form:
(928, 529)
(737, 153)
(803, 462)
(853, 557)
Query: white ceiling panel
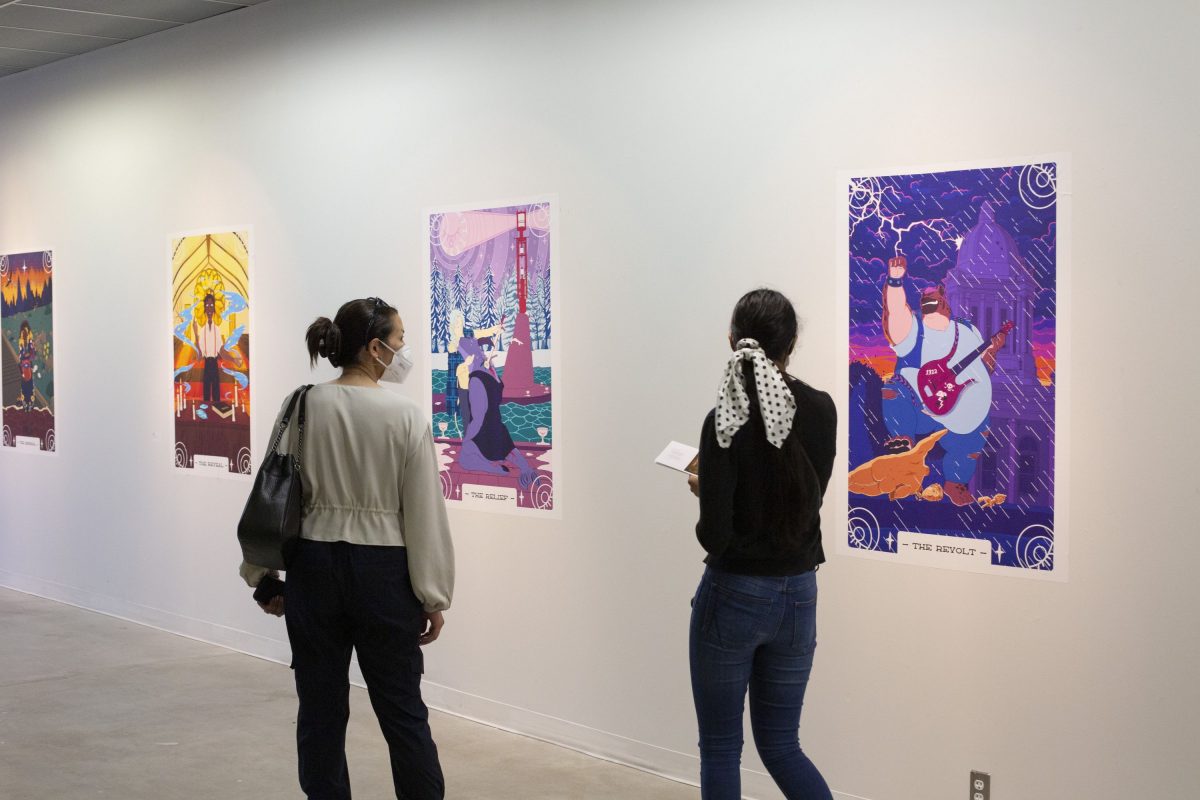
(86, 23)
(36, 32)
(25, 59)
(64, 43)
(163, 10)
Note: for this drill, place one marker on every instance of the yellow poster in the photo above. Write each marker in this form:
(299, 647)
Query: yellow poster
(210, 307)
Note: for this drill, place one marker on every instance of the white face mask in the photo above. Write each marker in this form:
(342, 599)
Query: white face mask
(402, 364)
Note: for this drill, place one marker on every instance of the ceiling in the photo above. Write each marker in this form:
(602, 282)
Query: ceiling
(37, 32)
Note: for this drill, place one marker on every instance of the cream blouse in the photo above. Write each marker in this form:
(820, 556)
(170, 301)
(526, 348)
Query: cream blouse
(371, 477)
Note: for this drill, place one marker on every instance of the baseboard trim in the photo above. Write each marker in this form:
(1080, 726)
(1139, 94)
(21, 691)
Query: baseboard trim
(614, 748)
(251, 644)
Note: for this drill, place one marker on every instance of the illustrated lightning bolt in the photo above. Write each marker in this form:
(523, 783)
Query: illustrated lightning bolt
(867, 197)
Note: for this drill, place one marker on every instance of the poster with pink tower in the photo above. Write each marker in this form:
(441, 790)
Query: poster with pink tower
(494, 355)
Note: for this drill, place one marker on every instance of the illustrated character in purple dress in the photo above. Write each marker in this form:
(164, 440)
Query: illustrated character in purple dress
(26, 352)
(457, 375)
(487, 445)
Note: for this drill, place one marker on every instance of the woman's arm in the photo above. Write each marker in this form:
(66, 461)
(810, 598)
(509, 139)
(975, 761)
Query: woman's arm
(827, 440)
(718, 479)
(252, 574)
(484, 333)
(426, 526)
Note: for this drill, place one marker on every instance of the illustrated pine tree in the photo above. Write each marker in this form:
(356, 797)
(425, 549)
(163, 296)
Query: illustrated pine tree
(458, 290)
(535, 317)
(508, 310)
(439, 311)
(545, 303)
(470, 308)
(487, 301)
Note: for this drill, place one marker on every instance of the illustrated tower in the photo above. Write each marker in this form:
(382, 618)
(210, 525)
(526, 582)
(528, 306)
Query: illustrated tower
(990, 284)
(519, 383)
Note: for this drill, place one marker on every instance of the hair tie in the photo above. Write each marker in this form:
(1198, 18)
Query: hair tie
(776, 403)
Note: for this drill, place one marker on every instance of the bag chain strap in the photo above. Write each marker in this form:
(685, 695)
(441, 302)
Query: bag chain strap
(300, 426)
(301, 396)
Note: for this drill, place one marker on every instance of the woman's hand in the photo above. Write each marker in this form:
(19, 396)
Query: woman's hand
(694, 484)
(433, 627)
(274, 607)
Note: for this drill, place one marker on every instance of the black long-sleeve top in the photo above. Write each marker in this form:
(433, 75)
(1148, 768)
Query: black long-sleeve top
(734, 495)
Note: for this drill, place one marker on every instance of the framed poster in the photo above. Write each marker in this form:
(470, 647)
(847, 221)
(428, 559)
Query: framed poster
(211, 387)
(957, 367)
(27, 349)
(494, 354)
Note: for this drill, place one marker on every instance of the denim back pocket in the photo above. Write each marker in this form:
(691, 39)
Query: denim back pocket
(734, 619)
(804, 625)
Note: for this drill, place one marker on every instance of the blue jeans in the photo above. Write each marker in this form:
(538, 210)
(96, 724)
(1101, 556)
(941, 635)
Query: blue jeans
(757, 633)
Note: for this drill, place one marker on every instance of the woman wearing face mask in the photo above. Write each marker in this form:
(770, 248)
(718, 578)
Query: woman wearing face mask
(374, 569)
(766, 455)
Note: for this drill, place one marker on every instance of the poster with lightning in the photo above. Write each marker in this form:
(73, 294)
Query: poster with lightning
(494, 355)
(27, 320)
(956, 368)
(210, 311)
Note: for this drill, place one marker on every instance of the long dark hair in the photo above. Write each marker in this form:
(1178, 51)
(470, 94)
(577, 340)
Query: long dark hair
(356, 324)
(768, 317)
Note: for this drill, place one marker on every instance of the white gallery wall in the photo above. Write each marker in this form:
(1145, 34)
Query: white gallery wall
(693, 148)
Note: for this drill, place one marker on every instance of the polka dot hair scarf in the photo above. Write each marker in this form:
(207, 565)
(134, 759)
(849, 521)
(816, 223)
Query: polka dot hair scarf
(775, 399)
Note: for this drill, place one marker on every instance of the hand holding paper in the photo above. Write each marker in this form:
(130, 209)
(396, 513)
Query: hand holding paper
(680, 457)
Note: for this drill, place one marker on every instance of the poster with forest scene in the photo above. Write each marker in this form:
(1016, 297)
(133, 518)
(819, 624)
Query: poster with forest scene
(492, 313)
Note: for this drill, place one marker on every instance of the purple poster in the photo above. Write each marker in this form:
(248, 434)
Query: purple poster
(494, 355)
(954, 282)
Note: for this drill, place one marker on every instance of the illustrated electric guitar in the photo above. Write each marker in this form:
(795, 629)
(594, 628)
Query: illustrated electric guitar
(937, 381)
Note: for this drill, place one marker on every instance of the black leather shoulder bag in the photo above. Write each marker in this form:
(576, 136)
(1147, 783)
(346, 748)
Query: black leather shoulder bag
(270, 525)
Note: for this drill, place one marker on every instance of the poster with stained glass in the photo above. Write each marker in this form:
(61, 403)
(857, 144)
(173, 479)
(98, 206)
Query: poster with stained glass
(27, 324)
(211, 386)
(494, 355)
(956, 368)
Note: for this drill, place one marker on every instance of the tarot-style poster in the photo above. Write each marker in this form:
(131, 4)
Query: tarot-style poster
(492, 311)
(210, 310)
(27, 320)
(954, 369)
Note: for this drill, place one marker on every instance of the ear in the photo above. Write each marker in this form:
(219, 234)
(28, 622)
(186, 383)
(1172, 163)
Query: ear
(941, 288)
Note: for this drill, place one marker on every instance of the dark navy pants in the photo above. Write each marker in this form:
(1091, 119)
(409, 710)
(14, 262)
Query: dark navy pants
(339, 597)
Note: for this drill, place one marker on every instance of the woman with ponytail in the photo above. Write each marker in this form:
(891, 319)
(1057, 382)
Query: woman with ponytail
(374, 568)
(766, 455)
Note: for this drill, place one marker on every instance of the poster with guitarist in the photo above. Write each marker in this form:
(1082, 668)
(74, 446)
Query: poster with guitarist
(954, 280)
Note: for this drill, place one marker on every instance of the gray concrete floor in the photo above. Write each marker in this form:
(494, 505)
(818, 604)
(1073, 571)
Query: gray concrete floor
(92, 706)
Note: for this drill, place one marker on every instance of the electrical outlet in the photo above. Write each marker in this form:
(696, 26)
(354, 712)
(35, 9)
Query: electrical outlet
(981, 786)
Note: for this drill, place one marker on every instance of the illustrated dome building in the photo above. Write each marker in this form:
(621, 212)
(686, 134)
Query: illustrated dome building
(991, 284)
